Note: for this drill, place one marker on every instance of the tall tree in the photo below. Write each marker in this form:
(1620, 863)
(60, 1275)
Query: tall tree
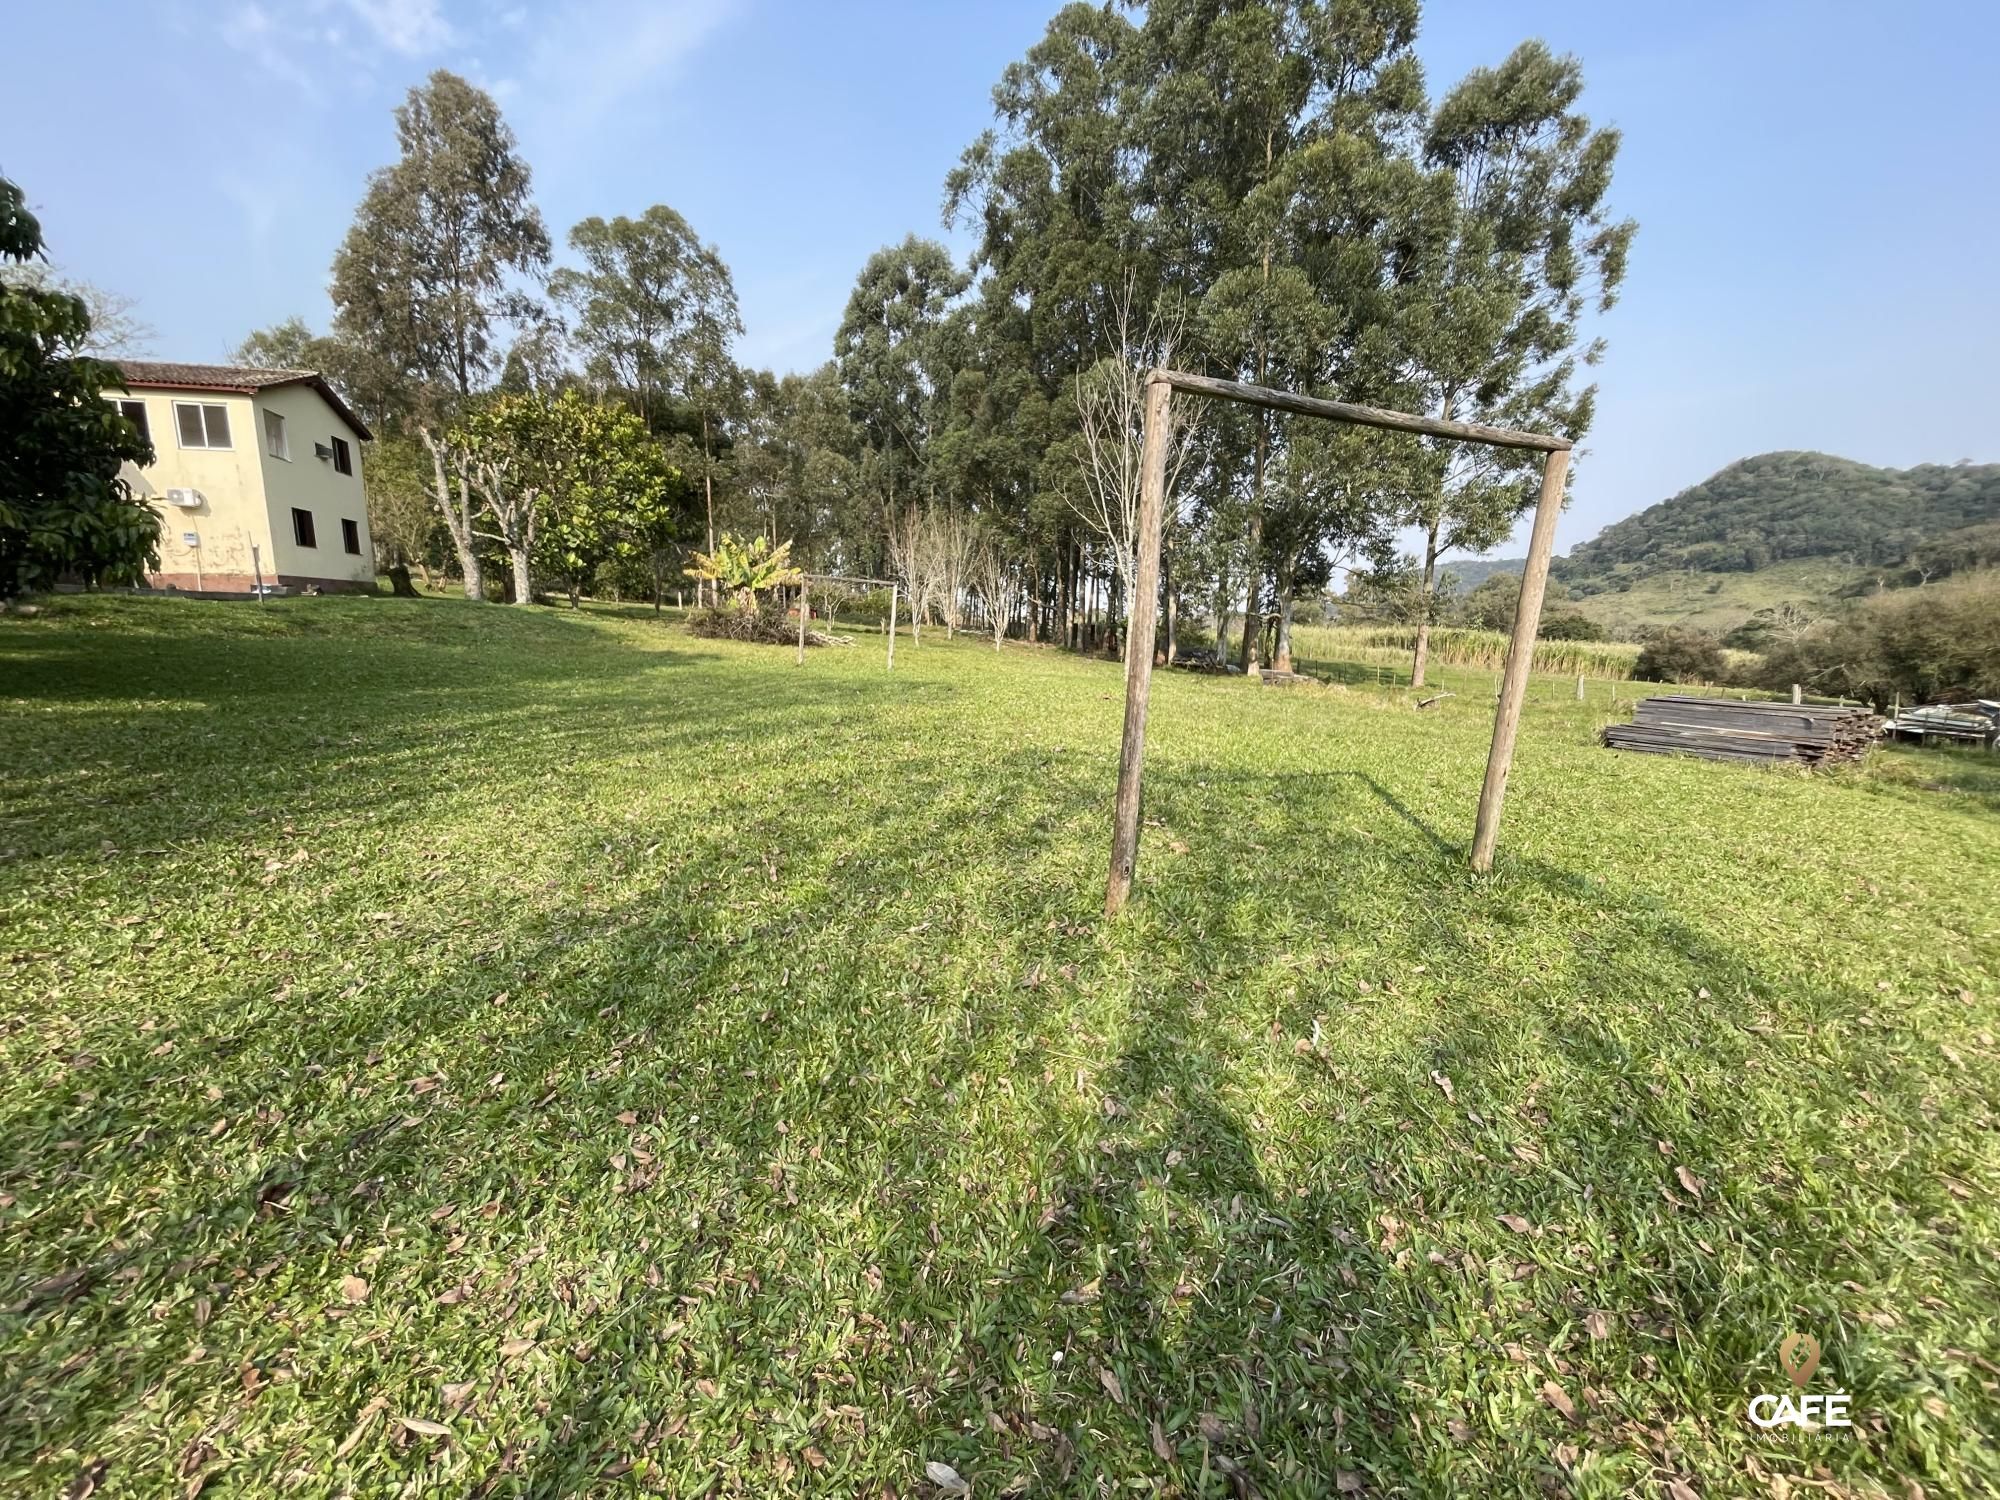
(65, 507)
(635, 302)
(435, 259)
(895, 358)
(1511, 245)
(442, 240)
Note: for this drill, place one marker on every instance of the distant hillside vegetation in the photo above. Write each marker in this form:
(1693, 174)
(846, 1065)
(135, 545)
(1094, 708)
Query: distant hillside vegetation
(1467, 573)
(1901, 525)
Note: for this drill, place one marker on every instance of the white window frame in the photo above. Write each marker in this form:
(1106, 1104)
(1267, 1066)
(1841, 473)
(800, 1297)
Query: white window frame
(204, 407)
(282, 446)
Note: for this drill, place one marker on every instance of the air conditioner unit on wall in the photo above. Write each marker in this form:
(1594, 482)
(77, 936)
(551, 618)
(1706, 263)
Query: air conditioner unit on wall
(185, 499)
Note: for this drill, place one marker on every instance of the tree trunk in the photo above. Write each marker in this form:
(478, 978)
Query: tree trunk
(1282, 654)
(399, 582)
(1253, 613)
(1173, 613)
(524, 588)
(1423, 652)
(708, 498)
(457, 519)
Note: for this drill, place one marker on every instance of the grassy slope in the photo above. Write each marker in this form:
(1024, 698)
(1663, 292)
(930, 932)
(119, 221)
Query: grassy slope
(720, 1069)
(1685, 598)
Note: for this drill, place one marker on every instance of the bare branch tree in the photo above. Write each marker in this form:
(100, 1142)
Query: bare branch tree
(998, 578)
(115, 325)
(1110, 400)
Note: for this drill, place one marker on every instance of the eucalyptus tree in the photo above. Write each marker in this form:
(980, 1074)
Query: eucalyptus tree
(895, 359)
(442, 249)
(1510, 245)
(443, 240)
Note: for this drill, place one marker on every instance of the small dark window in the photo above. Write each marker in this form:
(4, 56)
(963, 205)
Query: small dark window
(135, 413)
(350, 535)
(302, 528)
(343, 457)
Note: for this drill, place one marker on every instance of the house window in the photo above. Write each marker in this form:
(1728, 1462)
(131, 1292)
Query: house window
(274, 436)
(201, 424)
(135, 413)
(343, 457)
(302, 528)
(350, 535)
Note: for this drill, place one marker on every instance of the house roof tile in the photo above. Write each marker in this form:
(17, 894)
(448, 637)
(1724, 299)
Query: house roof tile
(239, 379)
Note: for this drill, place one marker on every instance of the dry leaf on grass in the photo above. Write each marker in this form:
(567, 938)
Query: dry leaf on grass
(1443, 1083)
(1162, 1449)
(353, 1289)
(1557, 1397)
(1516, 1223)
(1459, 1428)
(1597, 1325)
(945, 1477)
(1688, 1180)
(424, 1427)
(1109, 1381)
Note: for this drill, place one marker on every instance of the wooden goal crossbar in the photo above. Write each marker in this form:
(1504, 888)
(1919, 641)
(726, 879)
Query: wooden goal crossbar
(1160, 387)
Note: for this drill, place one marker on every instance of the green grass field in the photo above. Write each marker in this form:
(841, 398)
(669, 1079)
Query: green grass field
(451, 1050)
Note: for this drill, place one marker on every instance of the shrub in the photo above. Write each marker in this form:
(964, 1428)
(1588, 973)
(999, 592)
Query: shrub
(1569, 625)
(1681, 653)
(765, 621)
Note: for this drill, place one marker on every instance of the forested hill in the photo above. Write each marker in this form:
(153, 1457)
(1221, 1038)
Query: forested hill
(1780, 507)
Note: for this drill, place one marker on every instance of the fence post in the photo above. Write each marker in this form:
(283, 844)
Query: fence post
(1579, 687)
(892, 625)
(1798, 693)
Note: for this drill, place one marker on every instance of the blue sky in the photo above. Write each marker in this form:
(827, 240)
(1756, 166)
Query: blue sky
(1817, 184)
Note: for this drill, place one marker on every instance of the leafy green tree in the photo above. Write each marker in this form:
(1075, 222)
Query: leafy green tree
(441, 241)
(402, 518)
(65, 507)
(896, 362)
(1510, 245)
(1680, 653)
(563, 483)
(648, 297)
(605, 489)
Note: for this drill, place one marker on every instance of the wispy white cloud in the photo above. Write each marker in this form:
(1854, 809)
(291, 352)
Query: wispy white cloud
(271, 45)
(408, 27)
(596, 56)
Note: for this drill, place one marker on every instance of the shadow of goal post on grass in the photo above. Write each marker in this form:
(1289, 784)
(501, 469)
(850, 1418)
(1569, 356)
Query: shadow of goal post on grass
(1160, 386)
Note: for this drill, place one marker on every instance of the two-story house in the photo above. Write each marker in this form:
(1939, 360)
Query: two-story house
(255, 473)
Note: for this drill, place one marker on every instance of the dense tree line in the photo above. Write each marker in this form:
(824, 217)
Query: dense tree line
(1263, 189)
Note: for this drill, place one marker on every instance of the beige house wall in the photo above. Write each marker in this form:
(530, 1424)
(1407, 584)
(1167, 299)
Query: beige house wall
(247, 495)
(313, 484)
(232, 514)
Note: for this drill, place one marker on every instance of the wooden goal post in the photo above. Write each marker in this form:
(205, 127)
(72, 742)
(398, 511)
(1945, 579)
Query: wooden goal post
(1160, 386)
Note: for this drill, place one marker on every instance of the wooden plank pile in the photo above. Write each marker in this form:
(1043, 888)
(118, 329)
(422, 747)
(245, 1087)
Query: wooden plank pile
(1725, 729)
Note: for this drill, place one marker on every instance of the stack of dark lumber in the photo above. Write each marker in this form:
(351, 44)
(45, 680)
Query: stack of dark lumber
(1725, 729)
